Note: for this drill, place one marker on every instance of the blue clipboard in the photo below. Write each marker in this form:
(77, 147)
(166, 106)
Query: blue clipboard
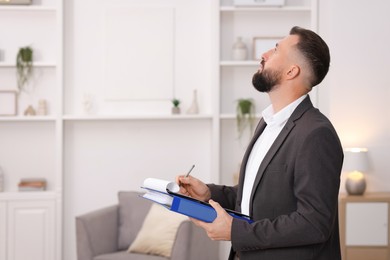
(200, 210)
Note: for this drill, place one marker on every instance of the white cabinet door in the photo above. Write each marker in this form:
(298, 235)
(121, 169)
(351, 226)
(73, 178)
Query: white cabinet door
(3, 230)
(31, 230)
(367, 224)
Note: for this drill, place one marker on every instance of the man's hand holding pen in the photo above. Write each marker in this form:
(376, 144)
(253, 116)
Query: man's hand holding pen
(220, 228)
(193, 187)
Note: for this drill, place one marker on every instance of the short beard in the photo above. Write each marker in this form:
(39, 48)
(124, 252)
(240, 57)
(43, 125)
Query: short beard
(266, 81)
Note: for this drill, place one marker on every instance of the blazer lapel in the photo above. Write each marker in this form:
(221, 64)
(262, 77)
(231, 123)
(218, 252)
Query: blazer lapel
(299, 111)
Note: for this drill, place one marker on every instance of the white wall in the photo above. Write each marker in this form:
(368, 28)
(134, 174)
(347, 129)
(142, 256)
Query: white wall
(87, 55)
(357, 92)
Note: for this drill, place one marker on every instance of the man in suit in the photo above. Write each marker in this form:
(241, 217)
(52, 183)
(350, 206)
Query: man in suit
(290, 174)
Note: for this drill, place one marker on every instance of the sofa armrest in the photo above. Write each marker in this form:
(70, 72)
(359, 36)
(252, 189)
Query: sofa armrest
(97, 233)
(192, 243)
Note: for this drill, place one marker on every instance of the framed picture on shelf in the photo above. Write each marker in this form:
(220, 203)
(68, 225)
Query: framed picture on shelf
(8, 103)
(263, 44)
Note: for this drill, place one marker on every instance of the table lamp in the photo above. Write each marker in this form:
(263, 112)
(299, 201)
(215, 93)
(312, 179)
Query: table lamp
(355, 163)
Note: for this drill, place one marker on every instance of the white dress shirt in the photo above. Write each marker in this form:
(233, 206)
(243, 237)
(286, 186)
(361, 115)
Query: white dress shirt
(275, 124)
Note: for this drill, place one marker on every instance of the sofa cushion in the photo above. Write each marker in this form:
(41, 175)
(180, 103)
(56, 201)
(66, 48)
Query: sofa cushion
(158, 232)
(132, 212)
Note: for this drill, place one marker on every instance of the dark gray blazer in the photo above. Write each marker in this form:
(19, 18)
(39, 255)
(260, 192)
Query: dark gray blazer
(294, 201)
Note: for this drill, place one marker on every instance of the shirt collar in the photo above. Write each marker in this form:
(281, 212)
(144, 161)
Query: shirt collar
(281, 117)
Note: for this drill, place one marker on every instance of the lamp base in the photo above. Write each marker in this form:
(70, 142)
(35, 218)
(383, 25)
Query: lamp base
(355, 186)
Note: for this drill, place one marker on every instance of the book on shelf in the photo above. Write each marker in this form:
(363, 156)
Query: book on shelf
(167, 194)
(32, 184)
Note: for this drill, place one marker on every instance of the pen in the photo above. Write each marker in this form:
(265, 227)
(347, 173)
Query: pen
(188, 173)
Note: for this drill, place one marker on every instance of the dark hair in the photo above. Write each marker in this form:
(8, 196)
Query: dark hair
(315, 51)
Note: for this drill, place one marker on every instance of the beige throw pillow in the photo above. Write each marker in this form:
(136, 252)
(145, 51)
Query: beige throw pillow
(158, 232)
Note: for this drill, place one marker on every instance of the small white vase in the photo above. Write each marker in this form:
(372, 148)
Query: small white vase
(239, 51)
(88, 103)
(194, 109)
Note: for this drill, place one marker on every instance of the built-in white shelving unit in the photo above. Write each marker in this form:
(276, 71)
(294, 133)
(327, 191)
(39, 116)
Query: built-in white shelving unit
(31, 146)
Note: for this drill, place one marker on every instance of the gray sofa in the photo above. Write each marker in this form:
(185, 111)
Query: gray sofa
(106, 234)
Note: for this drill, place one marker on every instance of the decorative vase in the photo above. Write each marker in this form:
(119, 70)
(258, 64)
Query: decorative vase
(239, 51)
(88, 103)
(42, 107)
(194, 109)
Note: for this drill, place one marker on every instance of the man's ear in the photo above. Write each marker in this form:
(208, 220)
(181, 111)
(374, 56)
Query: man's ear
(293, 72)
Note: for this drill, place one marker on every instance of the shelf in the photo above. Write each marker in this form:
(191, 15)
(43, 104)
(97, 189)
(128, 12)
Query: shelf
(244, 63)
(35, 64)
(102, 118)
(266, 9)
(227, 116)
(133, 117)
(28, 195)
(32, 146)
(26, 118)
(233, 116)
(28, 8)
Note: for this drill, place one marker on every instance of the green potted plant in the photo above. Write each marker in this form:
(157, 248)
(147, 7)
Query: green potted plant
(24, 66)
(175, 108)
(24, 73)
(245, 115)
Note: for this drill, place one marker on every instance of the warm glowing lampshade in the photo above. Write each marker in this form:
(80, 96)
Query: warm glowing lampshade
(356, 164)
